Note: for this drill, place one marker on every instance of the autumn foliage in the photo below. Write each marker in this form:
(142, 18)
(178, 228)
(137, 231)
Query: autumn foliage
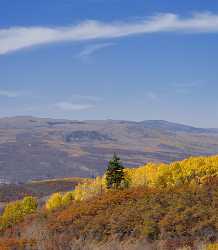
(58, 200)
(171, 206)
(194, 170)
(16, 211)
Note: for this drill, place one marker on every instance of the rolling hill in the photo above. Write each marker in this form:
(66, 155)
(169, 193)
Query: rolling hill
(39, 148)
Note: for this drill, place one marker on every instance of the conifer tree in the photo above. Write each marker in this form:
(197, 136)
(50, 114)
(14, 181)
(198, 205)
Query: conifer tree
(114, 173)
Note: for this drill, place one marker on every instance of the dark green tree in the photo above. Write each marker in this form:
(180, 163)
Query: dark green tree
(114, 173)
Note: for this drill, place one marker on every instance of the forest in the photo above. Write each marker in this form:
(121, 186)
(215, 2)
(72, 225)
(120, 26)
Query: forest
(155, 206)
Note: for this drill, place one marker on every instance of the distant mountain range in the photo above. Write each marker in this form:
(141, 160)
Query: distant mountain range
(39, 148)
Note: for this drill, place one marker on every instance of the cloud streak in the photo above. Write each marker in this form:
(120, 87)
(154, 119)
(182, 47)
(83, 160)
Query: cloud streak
(17, 38)
(93, 48)
(10, 94)
(68, 106)
(152, 96)
(78, 103)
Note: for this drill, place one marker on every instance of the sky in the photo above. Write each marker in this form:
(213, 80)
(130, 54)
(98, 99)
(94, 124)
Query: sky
(118, 59)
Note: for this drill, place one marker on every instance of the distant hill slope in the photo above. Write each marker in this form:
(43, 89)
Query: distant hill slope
(39, 189)
(39, 148)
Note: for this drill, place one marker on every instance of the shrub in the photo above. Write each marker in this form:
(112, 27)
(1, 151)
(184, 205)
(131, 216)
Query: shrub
(67, 198)
(90, 189)
(58, 200)
(184, 212)
(54, 201)
(29, 205)
(14, 212)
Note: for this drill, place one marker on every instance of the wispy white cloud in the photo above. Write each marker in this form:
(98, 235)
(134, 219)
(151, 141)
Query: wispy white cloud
(11, 94)
(68, 106)
(78, 102)
(152, 96)
(93, 48)
(16, 38)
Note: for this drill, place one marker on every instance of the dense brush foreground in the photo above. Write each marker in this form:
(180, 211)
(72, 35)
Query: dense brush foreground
(159, 206)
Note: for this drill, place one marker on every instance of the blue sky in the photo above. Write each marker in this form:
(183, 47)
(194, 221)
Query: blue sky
(98, 59)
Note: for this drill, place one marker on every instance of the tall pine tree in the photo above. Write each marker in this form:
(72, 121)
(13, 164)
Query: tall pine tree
(114, 173)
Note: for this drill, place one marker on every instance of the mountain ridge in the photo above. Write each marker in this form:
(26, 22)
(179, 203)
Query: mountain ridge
(39, 148)
(149, 121)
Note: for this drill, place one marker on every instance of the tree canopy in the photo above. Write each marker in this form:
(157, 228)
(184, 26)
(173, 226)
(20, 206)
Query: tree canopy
(114, 173)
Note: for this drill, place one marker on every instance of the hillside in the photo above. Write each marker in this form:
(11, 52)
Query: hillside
(165, 207)
(40, 148)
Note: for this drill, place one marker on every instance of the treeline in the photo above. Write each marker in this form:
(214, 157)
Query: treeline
(193, 171)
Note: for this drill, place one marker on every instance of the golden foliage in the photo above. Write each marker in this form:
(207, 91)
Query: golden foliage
(67, 198)
(90, 189)
(194, 170)
(54, 201)
(58, 200)
(29, 205)
(16, 211)
(212, 246)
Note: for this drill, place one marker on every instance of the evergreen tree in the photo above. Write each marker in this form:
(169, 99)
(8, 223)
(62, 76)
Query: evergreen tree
(114, 173)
